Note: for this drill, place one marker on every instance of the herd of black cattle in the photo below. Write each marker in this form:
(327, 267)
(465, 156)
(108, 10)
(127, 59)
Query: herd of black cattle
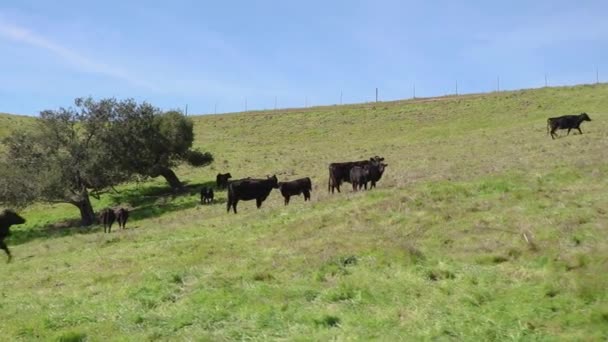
(358, 173)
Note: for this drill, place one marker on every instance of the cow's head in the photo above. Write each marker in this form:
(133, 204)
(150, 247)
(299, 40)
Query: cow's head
(228, 175)
(376, 159)
(381, 167)
(274, 181)
(11, 217)
(585, 117)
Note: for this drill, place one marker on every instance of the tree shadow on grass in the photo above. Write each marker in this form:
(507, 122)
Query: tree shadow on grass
(143, 202)
(145, 196)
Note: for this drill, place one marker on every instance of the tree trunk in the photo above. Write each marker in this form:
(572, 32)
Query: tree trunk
(170, 177)
(83, 203)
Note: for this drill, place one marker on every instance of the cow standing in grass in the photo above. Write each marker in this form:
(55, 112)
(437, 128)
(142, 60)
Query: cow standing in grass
(122, 215)
(249, 189)
(359, 177)
(295, 188)
(340, 172)
(566, 122)
(107, 217)
(7, 219)
(375, 172)
(221, 180)
(206, 195)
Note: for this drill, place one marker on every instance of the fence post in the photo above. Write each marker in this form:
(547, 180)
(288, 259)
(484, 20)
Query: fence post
(376, 94)
(597, 75)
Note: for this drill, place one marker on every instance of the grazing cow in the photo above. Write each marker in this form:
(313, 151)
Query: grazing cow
(7, 219)
(566, 122)
(295, 188)
(375, 173)
(340, 172)
(107, 217)
(221, 180)
(206, 195)
(122, 215)
(359, 177)
(250, 188)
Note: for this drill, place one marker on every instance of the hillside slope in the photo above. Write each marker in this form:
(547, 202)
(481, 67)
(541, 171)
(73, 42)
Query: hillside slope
(9, 123)
(482, 228)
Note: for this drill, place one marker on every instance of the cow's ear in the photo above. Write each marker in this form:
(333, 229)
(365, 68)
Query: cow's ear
(385, 165)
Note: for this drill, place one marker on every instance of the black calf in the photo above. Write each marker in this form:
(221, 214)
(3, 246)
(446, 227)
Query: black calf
(7, 219)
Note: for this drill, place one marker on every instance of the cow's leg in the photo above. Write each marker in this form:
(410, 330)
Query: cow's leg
(553, 129)
(306, 196)
(569, 131)
(228, 205)
(579, 130)
(258, 202)
(234, 205)
(6, 250)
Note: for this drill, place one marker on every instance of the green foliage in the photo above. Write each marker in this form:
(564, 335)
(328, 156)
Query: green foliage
(149, 142)
(92, 147)
(63, 159)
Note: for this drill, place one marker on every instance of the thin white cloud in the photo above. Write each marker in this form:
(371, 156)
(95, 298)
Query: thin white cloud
(25, 36)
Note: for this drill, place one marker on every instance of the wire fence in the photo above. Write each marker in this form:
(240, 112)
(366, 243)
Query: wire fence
(376, 96)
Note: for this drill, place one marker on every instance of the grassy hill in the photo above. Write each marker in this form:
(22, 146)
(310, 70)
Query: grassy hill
(9, 122)
(482, 228)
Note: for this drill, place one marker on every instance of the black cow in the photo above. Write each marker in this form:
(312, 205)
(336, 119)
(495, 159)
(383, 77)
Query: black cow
(107, 218)
(206, 195)
(566, 122)
(375, 173)
(7, 219)
(340, 172)
(295, 188)
(221, 180)
(122, 215)
(248, 189)
(359, 177)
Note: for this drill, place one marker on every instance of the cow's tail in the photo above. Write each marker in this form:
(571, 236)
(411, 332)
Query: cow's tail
(329, 182)
(548, 125)
(309, 185)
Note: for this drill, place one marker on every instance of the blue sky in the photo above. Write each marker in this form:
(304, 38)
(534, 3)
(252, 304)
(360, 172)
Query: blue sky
(208, 53)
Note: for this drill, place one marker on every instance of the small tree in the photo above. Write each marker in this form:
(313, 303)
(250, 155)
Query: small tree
(65, 159)
(152, 143)
(75, 153)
